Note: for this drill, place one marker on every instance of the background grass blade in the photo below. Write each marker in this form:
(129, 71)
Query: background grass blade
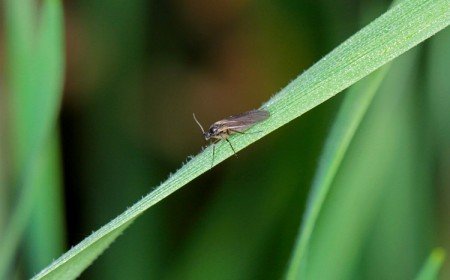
(372, 47)
(431, 267)
(438, 99)
(45, 235)
(35, 79)
(351, 113)
(370, 175)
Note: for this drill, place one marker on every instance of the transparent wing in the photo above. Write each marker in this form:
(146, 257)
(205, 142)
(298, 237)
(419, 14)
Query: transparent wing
(245, 120)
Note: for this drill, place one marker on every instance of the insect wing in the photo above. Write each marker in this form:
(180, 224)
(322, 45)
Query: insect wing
(245, 120)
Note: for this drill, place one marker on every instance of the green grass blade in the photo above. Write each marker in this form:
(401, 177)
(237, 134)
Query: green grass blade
(439, 87)
(372, 47)
(45, 234)
(405, 191)
(431, 267)
(36, 85)
(350, 115)
(47, 219)
(19, 22)
(438, 99)
(347, 122)
(366, 176)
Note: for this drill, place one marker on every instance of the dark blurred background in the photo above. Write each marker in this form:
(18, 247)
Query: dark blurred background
(135, 73)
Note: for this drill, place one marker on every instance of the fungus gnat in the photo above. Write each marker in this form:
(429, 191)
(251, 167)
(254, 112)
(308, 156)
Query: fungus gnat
(222, 129)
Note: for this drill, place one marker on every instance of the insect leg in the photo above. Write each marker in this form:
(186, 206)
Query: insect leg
(214, 148)
(213, 151)
(231, 146)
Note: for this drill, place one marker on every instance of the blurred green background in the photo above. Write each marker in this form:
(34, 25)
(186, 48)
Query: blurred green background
(137, 70)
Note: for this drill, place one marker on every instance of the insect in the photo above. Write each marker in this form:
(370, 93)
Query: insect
(222, 129)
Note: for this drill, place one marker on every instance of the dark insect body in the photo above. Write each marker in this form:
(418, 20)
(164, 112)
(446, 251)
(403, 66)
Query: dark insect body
(222, 129)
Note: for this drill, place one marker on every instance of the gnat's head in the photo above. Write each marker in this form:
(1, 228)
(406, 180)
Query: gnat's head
(212, 131)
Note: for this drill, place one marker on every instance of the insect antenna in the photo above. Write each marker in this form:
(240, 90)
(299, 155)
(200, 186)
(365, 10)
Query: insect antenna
(201, 127)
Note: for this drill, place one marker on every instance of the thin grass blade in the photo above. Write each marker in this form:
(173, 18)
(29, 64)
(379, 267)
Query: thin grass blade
(36, 85)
